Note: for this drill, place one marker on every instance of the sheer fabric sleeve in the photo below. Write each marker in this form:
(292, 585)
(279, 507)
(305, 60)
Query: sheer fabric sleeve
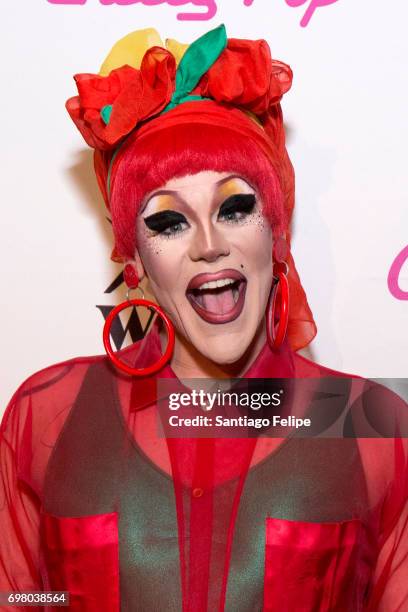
(379, 411)
(19, 523)
(390, 584)
(19, 516)
(378, 418)
(29, 429)
(391, 592)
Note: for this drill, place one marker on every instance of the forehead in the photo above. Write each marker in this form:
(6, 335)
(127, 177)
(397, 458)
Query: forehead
(208, 180)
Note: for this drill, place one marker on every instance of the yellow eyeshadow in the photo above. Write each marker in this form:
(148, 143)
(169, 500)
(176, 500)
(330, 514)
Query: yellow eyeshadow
(230, 188)
(164, 202)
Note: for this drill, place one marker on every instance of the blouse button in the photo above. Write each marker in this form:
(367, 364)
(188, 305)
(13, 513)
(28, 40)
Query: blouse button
(198, 492)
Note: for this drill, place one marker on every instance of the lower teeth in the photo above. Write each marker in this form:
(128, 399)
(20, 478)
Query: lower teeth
(235, 293)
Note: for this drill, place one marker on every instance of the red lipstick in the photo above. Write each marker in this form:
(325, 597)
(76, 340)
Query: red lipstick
(217, 297)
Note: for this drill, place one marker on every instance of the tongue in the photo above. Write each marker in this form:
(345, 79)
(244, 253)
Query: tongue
(219, 302)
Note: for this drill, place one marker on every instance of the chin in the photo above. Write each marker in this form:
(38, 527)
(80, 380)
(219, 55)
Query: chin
(224, 349)
(220, 356)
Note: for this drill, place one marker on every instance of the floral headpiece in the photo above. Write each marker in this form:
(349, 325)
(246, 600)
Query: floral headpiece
(142, 78)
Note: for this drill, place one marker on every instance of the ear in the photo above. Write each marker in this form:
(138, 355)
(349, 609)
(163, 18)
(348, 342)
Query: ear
(133, 271)
(280, 249)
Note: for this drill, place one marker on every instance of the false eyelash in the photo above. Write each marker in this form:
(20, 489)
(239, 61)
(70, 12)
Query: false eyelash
(240, 202)
(158, 222)
(163, 220)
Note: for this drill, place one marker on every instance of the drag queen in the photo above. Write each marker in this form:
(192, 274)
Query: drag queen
(191, 160)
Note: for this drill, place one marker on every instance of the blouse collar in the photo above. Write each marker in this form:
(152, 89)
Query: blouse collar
(267, 364)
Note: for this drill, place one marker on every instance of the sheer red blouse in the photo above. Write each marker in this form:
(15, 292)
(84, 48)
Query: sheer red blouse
(94, 502)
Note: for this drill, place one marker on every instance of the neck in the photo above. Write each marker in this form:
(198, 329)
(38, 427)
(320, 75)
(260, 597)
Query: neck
(188, 362)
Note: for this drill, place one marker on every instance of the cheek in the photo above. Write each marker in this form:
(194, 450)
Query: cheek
(255, 243)
(161, 261)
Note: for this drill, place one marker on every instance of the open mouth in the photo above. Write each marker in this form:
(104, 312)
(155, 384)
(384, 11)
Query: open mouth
(218, 297)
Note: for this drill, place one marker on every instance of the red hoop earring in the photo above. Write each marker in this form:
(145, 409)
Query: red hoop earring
(276, 334)
(155, 367)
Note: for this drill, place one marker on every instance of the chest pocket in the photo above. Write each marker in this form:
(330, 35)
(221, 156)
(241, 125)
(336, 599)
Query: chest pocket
(82, 557)
(312, 567)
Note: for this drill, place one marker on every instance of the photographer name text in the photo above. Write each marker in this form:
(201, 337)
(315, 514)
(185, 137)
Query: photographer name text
(291, 422)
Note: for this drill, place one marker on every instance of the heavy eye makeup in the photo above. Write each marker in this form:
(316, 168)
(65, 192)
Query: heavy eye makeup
(170, 223)
(237, 207)
(166, 222)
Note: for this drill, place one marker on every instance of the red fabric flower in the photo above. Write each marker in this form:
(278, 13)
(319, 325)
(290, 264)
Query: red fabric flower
(245, 75)
(134, 95)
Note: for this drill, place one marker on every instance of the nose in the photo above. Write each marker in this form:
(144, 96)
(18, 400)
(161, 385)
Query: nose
(209, 244)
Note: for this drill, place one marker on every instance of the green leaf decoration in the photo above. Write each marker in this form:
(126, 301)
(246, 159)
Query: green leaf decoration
(106, 112)
(196, 61)
(198, 58)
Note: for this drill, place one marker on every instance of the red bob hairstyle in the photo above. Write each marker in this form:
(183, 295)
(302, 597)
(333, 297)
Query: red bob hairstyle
(146, 161)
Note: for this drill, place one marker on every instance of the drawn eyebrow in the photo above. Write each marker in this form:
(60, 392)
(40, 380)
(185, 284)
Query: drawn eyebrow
(176, 194)
(162, 192)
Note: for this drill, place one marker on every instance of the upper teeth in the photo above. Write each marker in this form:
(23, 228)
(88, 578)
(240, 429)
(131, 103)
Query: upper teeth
(217, 283)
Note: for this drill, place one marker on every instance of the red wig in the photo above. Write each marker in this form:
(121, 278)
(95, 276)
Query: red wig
(187, 141)
(174, 152)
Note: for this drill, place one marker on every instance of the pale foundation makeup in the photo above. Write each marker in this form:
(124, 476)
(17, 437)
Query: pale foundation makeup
(206, 248)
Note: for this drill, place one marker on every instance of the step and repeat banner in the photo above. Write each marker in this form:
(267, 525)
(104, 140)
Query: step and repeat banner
(347, 134)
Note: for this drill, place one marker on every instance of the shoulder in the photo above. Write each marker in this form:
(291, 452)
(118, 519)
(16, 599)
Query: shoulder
(373, 391)
(306, 368)
(376, 408)
(47, 390)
